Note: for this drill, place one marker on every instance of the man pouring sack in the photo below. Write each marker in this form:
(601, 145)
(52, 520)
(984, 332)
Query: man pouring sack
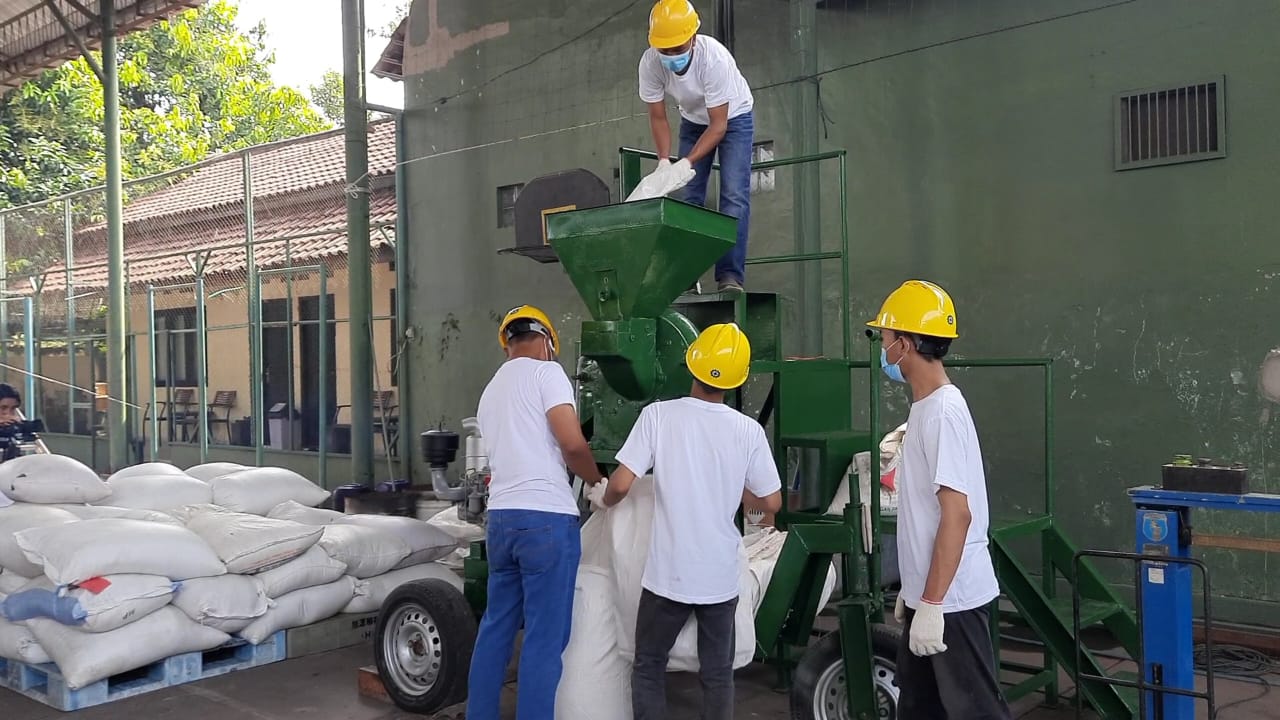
(716, 120)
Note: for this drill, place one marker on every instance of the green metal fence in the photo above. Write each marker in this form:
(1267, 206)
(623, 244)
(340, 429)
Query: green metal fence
(237, 303)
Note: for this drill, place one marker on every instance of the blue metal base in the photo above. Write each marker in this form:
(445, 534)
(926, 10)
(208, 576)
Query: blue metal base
(1162, 528)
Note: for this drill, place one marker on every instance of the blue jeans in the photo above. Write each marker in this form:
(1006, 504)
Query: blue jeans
(533, 563)
(734, 154)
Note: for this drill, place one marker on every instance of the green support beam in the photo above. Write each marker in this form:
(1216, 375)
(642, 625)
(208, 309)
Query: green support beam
(359, 278)
(117, 379)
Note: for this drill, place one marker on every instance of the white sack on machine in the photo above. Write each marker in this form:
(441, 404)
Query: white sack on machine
(763, 549)
(426, 542)
(301, 607)
(306, 515)
(164, 493)
(85, 658)
(101, 605)
(100, 512)
(16, 518)
(258, 490)
(249, 543)
(596, 682)
(311, 568)
(464, 533)
(147, 469)
(17, 643)
(665, 180)
(367, 551)
(372, 592)
(208, 471)
(627, 528)
(228, 603)
(91, 548)
(48, 479)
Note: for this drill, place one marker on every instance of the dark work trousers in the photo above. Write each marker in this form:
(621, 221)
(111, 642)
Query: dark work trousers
(958, 684)
(658, 623)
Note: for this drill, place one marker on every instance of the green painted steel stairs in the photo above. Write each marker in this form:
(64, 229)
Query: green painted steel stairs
(1041, 606)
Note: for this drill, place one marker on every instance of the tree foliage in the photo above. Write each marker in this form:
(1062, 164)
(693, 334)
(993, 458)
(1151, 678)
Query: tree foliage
(327, 96)
(189, 87)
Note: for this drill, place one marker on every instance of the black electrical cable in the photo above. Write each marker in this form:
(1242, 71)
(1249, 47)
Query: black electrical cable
(1241, 663)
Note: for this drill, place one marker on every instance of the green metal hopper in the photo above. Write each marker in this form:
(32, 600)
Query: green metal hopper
(629, 262)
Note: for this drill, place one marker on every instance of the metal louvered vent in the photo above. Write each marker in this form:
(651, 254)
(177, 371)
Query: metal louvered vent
(1170, 125)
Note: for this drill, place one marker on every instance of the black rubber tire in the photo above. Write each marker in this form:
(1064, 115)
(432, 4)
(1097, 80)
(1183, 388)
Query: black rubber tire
(455, 624)
(826, 653)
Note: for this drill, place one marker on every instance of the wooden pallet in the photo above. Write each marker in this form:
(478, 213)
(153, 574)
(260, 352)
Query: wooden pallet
(45, 684)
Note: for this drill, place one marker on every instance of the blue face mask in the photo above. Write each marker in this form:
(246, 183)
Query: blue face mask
(677, 63)
(894, 371)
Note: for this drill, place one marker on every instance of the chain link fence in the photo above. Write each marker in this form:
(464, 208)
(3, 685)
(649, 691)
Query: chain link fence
(236, 275)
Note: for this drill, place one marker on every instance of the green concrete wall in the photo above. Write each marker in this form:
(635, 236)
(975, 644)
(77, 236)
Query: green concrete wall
(980, 137)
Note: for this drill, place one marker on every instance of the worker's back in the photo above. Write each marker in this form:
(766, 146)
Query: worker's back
(703, 456)
(528, 470)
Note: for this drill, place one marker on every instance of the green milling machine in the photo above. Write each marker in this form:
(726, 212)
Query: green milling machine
(630, 263)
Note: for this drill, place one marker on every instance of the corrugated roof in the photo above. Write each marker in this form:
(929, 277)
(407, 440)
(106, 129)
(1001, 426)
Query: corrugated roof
(32, 38)
(391, 63)
(298, 189)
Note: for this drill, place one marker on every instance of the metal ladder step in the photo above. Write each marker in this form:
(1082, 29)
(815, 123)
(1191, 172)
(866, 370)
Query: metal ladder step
(1092, 612)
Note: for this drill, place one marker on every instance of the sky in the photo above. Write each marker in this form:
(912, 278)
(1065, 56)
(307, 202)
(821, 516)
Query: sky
(306, 36)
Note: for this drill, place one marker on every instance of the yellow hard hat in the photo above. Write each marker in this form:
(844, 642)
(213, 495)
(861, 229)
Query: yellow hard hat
(672, 23)
(538, 321)
(720, 357)
(918, 307)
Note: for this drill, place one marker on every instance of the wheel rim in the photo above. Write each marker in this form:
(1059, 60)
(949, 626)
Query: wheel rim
(830, 695)
(413, 649)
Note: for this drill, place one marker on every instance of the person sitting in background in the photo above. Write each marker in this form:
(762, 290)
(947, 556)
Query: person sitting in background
(10, 401)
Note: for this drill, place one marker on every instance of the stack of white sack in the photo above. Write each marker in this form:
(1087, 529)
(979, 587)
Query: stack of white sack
(109, 576)
(597, 662)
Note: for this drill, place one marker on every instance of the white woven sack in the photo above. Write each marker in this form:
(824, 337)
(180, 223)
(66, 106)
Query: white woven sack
(101, 512)
(17, 643)
(85, 658)
(19, 517)
(227, 603)
(92, 548)
(596, 682)
(48, 479)
(249, 543)
(306, 515)
(147, 469)
(258, 490)
(208, 471)
(311, 568)
(426, 542)
(125, 599)
(302, 607)
(366, 551)
(372, 592)
(165, 493)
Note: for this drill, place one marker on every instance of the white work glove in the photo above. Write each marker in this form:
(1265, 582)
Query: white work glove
(681, 173)
(663, 164)
(900, 610)
(668, 178)
(596, 495)
(926, 630)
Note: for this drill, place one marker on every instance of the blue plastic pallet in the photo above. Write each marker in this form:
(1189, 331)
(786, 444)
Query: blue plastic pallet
(45, 684)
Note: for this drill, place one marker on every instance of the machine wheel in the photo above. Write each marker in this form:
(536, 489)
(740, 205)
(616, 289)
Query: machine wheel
(423, 642)
(818, 689)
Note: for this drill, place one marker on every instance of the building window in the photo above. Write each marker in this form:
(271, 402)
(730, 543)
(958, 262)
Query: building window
(762, 180)
(176, 362)
(1170, 125)
(507, 195)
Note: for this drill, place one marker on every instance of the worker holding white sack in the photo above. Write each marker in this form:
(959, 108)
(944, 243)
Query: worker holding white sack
(708, 460)
(716, 111)
(530, 425)
(946, 665)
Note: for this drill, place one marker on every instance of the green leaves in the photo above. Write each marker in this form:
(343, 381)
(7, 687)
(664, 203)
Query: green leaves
(189, 87)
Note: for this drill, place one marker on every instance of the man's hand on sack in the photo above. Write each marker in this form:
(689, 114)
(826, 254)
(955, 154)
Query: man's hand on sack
(596, 495)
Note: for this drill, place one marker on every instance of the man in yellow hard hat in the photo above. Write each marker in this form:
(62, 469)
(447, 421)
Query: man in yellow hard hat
(707, 460)
(946, 665)
(716, 107)
(528, 419)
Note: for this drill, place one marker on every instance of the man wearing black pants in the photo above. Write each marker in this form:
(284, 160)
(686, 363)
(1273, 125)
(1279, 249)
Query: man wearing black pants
(708, 460)
(946, 666)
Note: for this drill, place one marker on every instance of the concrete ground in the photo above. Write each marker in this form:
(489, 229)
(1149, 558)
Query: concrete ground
(324, 686)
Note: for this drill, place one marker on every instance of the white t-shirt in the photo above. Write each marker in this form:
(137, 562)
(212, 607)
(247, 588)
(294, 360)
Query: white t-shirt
(703, 456)
(528, 471)
(941, 450)
(711, 80)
